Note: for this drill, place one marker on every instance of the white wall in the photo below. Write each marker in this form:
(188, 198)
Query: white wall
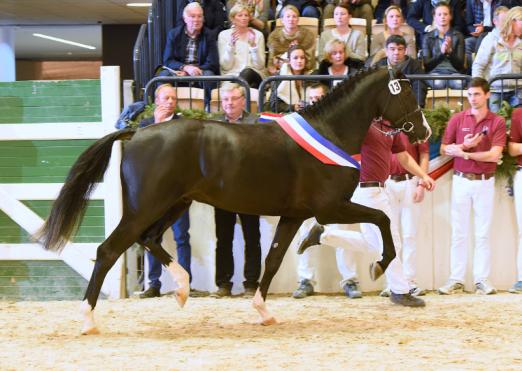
(433, 249)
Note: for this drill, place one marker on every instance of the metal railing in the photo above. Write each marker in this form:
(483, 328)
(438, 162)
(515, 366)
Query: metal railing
(176, 81)
(276, 80)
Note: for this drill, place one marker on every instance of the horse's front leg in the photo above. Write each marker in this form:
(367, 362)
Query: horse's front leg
(352, 213)
(286, 229)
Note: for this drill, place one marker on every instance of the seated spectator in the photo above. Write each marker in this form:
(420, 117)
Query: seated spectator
(259, 10)
(357, 8)
(500, 55)
(214, 13)
(355, 41)
(396, 57)
(335, 63)
(420, 17)
(233, 103)
(443, 49)
(165, 100)
(382, 5)
(289, 95)
(393, 21)
(307, 8)
(241, 48)
(479, 20)
(191, 48)
(282, 38)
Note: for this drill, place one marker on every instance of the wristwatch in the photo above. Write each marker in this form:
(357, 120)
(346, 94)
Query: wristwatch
(466, 156)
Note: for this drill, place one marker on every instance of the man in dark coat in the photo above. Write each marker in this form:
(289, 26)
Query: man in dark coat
(396, 57)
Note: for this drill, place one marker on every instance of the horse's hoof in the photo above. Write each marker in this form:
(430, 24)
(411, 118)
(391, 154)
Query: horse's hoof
(269, 321)
(181, 297)
(90, 331)
(375, 271)
(313, 238)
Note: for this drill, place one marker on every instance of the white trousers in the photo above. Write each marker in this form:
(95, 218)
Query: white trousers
(518, 210)
(407, 214)
(468, 195)
(345, 259)
(369, 240)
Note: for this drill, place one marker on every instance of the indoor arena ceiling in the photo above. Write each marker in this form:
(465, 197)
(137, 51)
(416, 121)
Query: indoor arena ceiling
(75, 20)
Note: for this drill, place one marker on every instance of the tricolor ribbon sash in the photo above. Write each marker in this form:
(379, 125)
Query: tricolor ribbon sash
(313, 142)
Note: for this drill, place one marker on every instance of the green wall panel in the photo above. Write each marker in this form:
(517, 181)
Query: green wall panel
(45, 161)
(40, 280)
(50, 101)
(91, 230)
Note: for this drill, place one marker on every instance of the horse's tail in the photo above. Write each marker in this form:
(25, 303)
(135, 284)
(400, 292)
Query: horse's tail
(70, 205)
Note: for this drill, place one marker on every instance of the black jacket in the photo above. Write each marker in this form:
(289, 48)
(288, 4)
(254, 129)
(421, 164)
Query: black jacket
(412, 67)
(353, 64)
(432, 55)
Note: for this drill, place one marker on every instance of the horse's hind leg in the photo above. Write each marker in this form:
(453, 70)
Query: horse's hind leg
(106, 255)
(285, 232)
(152, 240)
(178, 273)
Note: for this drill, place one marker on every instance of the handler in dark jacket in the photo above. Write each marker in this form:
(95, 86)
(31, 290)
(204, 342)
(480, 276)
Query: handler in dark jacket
(396, 57)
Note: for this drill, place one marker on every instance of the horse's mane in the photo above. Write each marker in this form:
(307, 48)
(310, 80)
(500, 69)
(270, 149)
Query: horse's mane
(340, 91)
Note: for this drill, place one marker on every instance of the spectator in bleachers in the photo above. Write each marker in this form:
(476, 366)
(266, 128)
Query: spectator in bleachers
(335, 62)
(420, 17)
(382, 5)
(214, 13)
(355, 41)
(501, 55)
(242, 48)
(443, 49)
(282, 38)
(393, 20)
(191, 49)
(479, 21)
(289, 95)
(358, 9)
(233, 103)
(515, 150)
(397, 58)
(259, 10)
(307, 8)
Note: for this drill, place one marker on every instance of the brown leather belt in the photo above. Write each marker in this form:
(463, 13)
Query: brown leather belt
(371, 184)
(401, 177)
(472, 176)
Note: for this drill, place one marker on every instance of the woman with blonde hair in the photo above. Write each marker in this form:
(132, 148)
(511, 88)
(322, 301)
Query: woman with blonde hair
(290, 95)
(393, 20)
(258, 9)
(335, 62)
(242, 48)
(282, 38)
(502, 55)
(355, 41)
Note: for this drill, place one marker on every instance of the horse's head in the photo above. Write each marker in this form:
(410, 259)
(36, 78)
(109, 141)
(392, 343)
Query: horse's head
(401, 109)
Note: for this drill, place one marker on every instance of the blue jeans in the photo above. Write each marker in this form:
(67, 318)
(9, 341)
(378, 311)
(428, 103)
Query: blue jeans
(182, 237)
(514, 98)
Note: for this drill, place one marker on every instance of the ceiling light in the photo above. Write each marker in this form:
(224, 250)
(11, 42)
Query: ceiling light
(57, 39)
(139, 4)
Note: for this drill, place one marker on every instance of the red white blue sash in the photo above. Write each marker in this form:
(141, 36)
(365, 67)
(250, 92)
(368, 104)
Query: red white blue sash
(313, 142)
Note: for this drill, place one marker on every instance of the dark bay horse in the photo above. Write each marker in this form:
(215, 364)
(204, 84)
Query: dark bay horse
(252, 169)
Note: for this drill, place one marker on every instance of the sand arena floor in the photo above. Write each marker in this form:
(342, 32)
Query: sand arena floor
(461, 332)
